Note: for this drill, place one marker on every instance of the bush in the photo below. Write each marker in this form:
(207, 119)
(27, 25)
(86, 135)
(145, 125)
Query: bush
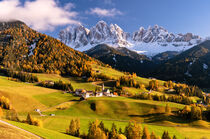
(5, 103)
(33, 121)
(12, 115)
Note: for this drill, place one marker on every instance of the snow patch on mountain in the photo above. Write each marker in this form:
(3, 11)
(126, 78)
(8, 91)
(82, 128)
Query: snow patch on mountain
(31, 49)
(188, 74)
(151, 49)
(205, 66)
(114, 58)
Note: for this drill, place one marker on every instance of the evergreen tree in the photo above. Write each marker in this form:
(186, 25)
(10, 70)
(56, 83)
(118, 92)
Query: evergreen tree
(29, 119)
(174, 137)
(113, 133)
(120, 131)
(165, 135)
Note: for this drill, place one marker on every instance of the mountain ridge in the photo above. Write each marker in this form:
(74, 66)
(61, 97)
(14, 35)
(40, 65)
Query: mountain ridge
(122, 59)
(141, 41)
(191, 66)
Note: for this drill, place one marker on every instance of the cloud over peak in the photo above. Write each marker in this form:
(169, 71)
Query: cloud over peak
(39, 14)
(104, 12)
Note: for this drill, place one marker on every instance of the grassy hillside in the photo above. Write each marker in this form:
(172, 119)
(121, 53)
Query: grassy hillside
(45, 133)
(25, 97)
(19, 92)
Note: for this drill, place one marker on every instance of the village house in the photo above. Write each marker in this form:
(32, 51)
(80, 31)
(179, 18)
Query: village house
(88, 94)
(49, 82)
(99, 94)
(79, 92)
(106, 92)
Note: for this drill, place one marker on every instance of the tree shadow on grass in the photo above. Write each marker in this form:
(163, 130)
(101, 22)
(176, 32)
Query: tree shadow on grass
(160, 117)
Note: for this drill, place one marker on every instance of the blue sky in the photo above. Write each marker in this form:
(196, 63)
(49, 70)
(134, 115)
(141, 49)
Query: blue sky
(178, 16)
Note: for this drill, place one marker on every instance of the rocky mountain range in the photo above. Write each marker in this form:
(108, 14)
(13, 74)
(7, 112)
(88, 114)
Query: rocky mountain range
(150, 41)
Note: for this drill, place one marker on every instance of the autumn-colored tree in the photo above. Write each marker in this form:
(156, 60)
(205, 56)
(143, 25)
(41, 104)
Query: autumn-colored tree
(1, 112)
(74, 128)
(153, 136)
(154, 85)
(78, 127)
(146, 134)
(33, 121)
(133, 131)
(95, 132)
(167, 109)
(113, 132)
(196, 113)
(37, 122)
(121, 136)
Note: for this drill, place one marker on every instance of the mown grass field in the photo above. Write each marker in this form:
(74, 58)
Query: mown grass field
(8, 132)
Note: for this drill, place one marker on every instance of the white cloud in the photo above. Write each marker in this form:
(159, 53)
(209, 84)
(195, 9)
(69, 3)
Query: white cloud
(39, 14)
(104, 12)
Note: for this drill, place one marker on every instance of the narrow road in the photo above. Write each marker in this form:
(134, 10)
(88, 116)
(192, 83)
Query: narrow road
(20, 129)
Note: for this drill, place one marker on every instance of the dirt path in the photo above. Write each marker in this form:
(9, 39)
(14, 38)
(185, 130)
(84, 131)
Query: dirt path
(3, 122)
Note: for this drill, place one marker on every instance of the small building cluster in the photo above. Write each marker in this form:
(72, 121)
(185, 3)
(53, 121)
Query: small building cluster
(86, 94)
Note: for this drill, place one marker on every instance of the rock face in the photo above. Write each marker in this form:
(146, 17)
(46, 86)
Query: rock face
(79, 36)
(112, 34)
(82, 39)
(159, 34)
(75, 35)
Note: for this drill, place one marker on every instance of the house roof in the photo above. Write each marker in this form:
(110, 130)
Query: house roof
(80, 90)
(105, 90)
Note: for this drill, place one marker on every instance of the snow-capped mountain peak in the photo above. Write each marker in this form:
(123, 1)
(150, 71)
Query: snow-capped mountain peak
(150, 41)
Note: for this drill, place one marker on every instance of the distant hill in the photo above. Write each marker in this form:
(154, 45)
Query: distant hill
(22, 48)
(191, 66)
(122, 59)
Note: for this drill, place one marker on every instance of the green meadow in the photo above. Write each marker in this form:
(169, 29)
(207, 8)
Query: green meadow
(26, 97)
